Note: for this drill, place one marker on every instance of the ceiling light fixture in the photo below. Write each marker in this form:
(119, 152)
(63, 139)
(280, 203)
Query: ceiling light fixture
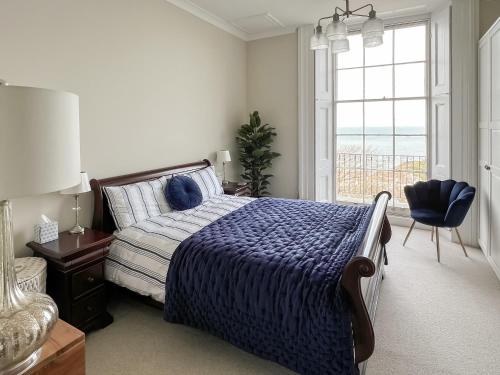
(372, 30)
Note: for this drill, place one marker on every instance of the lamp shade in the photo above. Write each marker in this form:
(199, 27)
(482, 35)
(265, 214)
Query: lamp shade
(223, 156)
(372, 31)
(82, 187)
(319, 39)
(336, 30)
(39, 141)
(340, 45)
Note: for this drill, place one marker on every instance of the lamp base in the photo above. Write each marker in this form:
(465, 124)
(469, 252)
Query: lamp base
(22, 367)
(77, 229)
(26, 318)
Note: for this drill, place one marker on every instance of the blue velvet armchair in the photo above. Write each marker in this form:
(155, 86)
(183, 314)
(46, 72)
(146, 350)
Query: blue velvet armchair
(440, 204)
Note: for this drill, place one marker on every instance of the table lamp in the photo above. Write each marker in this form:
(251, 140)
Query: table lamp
(39, 153)
(224, 157)
(82, 187)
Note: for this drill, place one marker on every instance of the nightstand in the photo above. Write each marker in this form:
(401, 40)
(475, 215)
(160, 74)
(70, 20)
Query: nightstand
(238, 189)
(75, 276)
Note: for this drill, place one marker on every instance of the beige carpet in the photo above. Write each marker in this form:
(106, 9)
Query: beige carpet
(432, 319)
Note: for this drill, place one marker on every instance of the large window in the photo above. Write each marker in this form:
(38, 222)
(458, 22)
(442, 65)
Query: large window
(381, 104)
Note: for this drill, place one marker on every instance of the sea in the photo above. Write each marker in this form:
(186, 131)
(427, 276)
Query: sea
(379, 140)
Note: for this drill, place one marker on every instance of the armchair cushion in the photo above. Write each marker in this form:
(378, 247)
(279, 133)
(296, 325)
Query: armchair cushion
(428, 216)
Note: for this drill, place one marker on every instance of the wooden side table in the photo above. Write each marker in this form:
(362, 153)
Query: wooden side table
(235, 188)
(75, 276)
(63, 353)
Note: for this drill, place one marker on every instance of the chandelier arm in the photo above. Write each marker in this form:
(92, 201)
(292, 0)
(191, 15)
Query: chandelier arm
(323, 18)
(359, 15)
(364, 6)
(342, 11)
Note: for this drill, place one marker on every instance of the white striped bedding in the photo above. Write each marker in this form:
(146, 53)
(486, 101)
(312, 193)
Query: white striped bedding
(130, 204)
(139, 257)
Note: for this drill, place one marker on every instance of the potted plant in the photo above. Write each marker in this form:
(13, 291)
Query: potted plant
(254, 141)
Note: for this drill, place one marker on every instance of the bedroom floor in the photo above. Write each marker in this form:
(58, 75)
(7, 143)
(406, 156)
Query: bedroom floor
(432, 319)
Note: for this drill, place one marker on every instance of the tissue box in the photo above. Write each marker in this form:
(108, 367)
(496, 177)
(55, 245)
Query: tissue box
(46, 232)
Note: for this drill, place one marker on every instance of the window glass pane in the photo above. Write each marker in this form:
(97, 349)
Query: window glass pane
(350, 144)
(410, 165)
(382, 54)
(349, 169)
(411, 145)
(378, 82)
(410, 80)
(409, 44)
(353, 58)
(350, 84)
(378, 145)
(378, 165)
(410, 116)
(349, 118)
(378, 117)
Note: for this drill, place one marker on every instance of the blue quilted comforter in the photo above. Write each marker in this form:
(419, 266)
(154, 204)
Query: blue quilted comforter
(265, 278)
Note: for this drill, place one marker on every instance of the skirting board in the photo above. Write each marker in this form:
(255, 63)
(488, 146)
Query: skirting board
(492, 264)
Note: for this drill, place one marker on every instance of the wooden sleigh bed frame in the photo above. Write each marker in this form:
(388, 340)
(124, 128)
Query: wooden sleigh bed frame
(360, 279)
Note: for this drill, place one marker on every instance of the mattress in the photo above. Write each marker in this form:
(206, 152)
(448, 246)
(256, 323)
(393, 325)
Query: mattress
(140, 255)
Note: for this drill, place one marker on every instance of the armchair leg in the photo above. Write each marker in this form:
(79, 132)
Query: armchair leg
(461, 243)
(437, 245)
(432, 234)
(408, 234)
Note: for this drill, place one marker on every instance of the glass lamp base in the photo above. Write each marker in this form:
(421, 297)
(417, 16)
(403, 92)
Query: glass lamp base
(77, 229)
(21, 367)
(26, 318)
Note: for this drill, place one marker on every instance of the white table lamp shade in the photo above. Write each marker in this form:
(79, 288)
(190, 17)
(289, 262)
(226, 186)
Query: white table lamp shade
(39, 141)
(223, 156)
(39, 153)
(82, 187)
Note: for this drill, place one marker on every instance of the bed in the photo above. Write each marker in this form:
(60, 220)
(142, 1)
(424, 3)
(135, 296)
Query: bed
(223, 267)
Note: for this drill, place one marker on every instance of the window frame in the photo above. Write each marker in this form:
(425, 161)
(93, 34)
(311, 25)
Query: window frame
(397, 24)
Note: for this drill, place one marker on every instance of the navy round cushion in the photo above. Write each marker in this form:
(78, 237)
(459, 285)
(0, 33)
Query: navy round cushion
(183, 193)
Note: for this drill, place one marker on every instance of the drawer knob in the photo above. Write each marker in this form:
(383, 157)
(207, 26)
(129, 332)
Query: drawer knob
(487, 167)
(90, 279)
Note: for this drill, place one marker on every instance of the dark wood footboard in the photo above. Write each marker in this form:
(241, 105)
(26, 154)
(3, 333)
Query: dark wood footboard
(361, 281)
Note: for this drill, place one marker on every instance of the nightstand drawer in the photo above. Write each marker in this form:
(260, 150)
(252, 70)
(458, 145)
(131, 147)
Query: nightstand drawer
(87, 279)
(89, 307)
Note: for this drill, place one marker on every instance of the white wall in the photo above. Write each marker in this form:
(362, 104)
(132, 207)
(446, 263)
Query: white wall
(272, 90)
(157, 86)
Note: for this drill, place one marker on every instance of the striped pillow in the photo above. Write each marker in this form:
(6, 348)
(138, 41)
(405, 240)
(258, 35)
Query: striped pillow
(208, 182)
(130, 204)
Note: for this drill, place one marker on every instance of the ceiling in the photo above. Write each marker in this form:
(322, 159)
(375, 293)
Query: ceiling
(254, 19)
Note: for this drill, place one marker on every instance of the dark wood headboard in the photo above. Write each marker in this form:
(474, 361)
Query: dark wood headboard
(102, 219)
